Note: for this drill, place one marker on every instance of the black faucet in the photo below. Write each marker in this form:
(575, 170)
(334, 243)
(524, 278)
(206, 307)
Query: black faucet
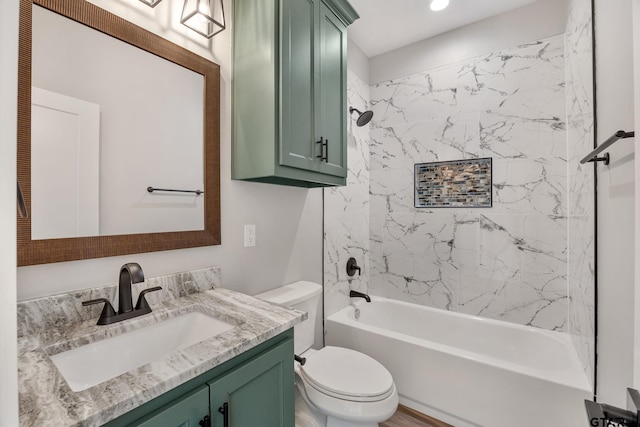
(356, 294)
(129, 273)
(352, 266)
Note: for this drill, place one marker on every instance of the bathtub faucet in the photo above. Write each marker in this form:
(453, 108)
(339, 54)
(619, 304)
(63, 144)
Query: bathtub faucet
(356, 294)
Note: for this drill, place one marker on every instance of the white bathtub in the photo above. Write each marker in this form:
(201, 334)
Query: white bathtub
(466, 370)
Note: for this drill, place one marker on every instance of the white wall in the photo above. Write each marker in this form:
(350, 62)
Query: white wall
(8, 93)
(489, 35)
(615, 198)
(357, 61)
(288, 220)
(636, 64)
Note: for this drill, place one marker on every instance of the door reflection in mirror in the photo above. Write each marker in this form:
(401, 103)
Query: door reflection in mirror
(141, 124)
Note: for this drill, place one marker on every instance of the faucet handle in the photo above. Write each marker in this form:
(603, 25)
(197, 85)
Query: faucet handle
(107, 310)
(142, 301)
(352, 267)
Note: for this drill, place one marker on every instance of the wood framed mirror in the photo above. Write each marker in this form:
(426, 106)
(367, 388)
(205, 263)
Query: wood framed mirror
(47, 247)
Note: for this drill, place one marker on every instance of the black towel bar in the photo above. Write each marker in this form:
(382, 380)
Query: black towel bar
(197, 192)
(592, 156)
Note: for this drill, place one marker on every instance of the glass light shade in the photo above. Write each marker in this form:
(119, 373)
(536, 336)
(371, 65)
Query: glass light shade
(205, 17)
(152, 3)
(437, 5)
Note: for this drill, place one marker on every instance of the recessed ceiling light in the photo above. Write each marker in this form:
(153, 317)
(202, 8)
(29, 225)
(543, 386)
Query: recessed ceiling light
(437, 5)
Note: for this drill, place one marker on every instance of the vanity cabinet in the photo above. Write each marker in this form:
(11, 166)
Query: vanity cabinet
(290, 91)
(188, 410)
(257, 387)
(257, 393)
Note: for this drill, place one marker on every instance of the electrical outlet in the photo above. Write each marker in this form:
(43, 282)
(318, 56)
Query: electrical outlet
(249, 236)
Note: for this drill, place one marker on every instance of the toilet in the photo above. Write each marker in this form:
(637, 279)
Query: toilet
(335, 387)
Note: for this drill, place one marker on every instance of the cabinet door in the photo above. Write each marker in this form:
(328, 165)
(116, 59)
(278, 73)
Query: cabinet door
(257, 393)
(186, 411)
(332, 78)
(297, 91)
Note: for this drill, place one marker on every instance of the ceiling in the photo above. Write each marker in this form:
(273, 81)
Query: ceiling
(386, 25)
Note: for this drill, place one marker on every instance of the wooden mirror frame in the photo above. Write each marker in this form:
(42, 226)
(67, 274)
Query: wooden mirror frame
(31, 252)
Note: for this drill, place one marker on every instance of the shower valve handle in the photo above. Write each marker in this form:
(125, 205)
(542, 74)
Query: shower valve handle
(352, 267)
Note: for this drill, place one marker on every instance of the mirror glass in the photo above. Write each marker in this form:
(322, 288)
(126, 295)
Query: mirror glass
(110, 120)
(107, 110)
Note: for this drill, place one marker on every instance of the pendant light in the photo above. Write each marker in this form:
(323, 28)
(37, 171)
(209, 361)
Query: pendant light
(205, 17)
(152, 3)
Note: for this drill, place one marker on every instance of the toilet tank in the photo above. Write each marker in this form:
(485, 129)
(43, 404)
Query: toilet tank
(303, 296)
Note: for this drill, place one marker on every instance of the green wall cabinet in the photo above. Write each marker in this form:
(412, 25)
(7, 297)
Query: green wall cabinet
(256, 388)
(290, 91)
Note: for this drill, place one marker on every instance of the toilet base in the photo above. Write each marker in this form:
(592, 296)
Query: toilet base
(309, 416)
(334, 422)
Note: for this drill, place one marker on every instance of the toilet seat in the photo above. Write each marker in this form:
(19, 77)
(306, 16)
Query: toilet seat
(346, 374)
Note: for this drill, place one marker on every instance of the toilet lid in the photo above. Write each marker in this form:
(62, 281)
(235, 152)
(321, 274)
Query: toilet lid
(347, 373)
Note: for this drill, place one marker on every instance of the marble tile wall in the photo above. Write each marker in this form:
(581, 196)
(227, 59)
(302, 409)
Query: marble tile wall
(346, 210)
(508, 262)
(581, 206)
(530, 258)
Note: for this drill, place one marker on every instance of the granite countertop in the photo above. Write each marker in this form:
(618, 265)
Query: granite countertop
(47, 400)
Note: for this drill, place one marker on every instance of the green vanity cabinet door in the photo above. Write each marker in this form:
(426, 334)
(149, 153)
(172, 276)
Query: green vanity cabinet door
(257, 383)
(186, 411)
(257, 393)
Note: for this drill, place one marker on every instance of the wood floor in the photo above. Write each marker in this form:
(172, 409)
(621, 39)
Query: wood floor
(407, 417)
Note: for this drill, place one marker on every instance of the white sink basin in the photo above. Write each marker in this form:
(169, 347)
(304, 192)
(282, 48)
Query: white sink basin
(91, 364)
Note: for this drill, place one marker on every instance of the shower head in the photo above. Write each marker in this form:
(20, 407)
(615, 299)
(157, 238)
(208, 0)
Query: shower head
(363, 118)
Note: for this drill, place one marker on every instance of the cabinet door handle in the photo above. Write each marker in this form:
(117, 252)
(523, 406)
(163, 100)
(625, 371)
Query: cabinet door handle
(224, 410)
(205, 422)
(324, 149)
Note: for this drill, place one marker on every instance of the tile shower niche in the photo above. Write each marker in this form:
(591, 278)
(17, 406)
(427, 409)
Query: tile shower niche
(453, 184)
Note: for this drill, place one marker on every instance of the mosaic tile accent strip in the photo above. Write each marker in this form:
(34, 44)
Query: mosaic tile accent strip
(459, 183)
